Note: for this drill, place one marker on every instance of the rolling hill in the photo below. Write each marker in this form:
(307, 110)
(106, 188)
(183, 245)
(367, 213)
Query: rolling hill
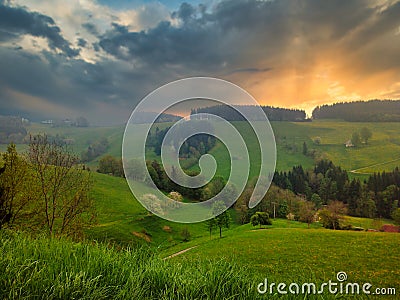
(381, 153)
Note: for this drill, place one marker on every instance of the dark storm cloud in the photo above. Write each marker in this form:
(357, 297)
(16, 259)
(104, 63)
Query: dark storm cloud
(104, 92)
(165, 45)
(382, 22)
(16, 21)
(237, 33)
(185, 12)
(246, 38)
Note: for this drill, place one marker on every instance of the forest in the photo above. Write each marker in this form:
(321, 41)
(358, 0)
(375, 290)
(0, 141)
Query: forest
(229, 113)
(376, 196)
(360, 111)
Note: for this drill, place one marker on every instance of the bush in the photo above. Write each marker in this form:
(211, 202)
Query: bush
(260, 218)
(396, 216)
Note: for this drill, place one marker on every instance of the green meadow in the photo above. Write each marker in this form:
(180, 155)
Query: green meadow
(227, 268)
(124, 253)
(286, 251)
(292, 253)
(382, 153)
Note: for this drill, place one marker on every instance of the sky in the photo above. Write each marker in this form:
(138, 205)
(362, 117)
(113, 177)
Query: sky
(98, 59)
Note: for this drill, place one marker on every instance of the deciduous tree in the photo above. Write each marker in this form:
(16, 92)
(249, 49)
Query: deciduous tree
(332, 214)
(62, 187)
(223, 219)
(16, 192)
(307, 212)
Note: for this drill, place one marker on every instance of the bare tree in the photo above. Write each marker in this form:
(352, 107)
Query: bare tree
(62, 187)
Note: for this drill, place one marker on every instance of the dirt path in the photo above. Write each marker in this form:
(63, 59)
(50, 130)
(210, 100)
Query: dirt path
(357, 171)
(179, 253)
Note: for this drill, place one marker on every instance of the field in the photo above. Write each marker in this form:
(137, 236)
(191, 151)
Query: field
(381, 154)
(227, 268)
(290, 252)
(82, 137)
(314, 254)
(215, 268)
(122, 219)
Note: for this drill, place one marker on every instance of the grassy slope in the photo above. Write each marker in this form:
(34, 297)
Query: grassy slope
(383, 147)
(82, 137)
(228, 268)
(378, 155)
(296, 253)
(119, 215)
(365, 256)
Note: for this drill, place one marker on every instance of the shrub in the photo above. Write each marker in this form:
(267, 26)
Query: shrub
(260, 218)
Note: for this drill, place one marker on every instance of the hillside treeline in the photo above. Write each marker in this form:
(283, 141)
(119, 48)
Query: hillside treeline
(376, 197)
(360, 111)
(11, 130)
(273, 113)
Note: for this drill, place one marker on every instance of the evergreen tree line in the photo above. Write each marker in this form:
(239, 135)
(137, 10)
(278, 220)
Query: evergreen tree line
(229, 113)
(378, 196)
(360, 111)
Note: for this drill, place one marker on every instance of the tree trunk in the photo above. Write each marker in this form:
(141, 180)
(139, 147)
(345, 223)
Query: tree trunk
(220, 232)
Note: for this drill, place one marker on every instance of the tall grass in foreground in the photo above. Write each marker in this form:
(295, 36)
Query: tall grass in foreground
(45, 268)
(59, 269)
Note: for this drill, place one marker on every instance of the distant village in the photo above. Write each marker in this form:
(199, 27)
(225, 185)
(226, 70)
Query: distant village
(78, 122)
